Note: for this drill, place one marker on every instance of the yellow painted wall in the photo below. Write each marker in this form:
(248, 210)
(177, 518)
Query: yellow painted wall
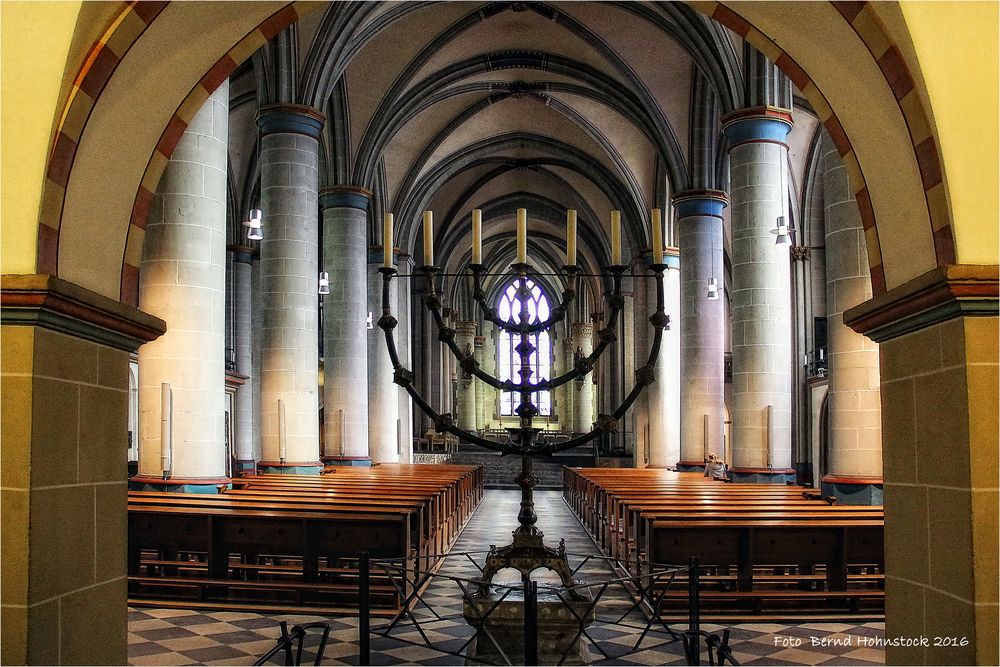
(957, 47)
(35, 39)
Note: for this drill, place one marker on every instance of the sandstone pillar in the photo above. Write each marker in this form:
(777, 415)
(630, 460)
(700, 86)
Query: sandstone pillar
(664, 397)
(465, 334)
(289, 256)
(855, 474)
(345, 330)
(761, 297)
(383, 403)
(702, 325)
(583, 413)
(242, 299)
(182, 281)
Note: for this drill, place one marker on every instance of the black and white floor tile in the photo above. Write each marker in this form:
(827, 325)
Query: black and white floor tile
(184, 637)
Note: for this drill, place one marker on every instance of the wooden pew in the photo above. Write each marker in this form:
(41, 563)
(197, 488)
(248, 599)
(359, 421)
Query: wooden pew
(785, 545)
(284, 541)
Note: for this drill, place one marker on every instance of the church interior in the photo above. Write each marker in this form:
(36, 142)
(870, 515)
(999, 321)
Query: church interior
(289, 284)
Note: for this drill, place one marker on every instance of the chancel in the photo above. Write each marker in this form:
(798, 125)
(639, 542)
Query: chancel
(518, 332)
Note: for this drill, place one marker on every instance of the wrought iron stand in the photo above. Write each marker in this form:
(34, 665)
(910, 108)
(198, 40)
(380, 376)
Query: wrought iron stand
(527, 551)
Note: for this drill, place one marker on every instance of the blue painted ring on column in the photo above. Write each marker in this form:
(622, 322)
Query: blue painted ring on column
(700, 203)
(759, 124)
(345, 197)
(290, 118)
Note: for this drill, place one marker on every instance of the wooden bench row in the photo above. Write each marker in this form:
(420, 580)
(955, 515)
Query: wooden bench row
(284, 541)
(829, 552)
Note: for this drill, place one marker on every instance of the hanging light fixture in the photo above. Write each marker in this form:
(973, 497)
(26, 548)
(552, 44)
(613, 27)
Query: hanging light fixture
(254, 223)
(713, 290)
(256, 232)
(782, 231)
(324, 282)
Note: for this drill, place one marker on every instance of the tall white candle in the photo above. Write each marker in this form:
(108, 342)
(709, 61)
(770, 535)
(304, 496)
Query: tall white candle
(428, 238)
(477, 236)
(616, 238)
(522, 236)
(387, 241)
(657, 237)
(571, 237)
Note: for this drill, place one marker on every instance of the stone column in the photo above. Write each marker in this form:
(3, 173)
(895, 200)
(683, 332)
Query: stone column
(566, 411)
(404, 344)
(702, 325)
(383, 403)
(289, 256)
(583, 413)
(665, 393)
(182, 281)
(761, 297)
(491, 396)
(854, 411)
(424, 371)
(465, 334)
(345, 331)
(257, 319)
(242, 298)
(482, 389)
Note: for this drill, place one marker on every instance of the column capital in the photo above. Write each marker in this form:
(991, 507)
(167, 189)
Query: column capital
(757, 125)
(345, 196)
(800, 253)
(690, 203)
(291, 119)
(465, 328)
(243, 254)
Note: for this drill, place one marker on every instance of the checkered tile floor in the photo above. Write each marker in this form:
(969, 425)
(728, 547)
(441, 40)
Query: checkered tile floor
(181, 637)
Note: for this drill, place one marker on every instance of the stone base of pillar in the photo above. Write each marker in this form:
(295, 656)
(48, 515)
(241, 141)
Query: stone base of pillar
(362, 461)
(179, 484)
(853, 490)
(690, 466)
(762, 475)
(245, 468)
(290, 467)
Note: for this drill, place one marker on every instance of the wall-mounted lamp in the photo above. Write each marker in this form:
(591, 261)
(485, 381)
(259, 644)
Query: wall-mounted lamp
(324, 282)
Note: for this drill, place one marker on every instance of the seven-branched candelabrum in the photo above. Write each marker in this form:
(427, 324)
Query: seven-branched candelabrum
(527, 552)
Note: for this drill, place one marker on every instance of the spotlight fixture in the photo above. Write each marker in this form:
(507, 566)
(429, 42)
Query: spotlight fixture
(713, 290)
(256, 232)
(782, 231)
(324, 282)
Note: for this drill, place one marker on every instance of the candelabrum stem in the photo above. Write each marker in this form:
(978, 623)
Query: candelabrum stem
(522, 439)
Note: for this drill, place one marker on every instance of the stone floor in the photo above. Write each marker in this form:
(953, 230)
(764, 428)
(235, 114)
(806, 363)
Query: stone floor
(181, 637)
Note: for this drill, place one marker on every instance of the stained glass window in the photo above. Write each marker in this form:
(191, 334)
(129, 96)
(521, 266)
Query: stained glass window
(530, 306)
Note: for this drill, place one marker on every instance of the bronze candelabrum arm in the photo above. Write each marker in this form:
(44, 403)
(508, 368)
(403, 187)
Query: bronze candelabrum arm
(404, 378)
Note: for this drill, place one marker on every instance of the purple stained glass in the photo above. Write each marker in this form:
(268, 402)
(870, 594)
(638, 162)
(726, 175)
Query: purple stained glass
(512, 309)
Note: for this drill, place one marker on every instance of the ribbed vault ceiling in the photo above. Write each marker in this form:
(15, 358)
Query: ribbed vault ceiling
(458, 105)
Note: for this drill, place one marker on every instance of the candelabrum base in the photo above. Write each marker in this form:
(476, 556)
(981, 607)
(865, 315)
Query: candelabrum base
(526, 554)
